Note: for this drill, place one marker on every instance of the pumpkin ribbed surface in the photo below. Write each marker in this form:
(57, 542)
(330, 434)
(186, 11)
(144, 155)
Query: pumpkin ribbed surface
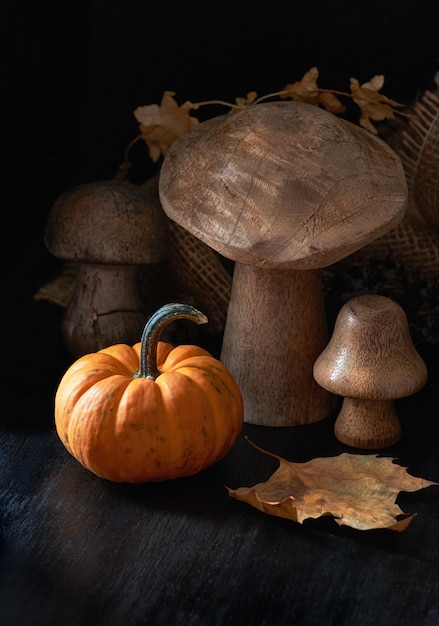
(130, 428)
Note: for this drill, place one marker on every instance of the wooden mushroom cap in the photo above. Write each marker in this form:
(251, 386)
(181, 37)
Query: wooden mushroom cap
(371, 354)
(109, 222)
(283, 185)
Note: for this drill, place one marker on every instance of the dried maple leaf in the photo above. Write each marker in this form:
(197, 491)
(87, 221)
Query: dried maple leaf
(373, 105)
(161, 125)
(306, 90)
(357, 490)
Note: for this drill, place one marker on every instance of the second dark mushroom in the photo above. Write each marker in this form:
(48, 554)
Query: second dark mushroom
(117, 236)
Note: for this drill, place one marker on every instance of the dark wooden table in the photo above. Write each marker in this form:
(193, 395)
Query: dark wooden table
(78, 550)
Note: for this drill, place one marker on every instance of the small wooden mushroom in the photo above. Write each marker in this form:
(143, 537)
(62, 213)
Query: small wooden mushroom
(118, 236)
(282, 189)
(370, 361)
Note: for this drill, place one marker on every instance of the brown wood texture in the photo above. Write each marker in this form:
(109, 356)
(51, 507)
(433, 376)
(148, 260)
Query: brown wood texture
(371, 361)
(276, 327)
(105, 308)
(283, 185)
(367, 424)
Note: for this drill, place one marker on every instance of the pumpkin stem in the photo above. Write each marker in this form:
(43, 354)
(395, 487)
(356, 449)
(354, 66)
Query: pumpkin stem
(154, 328)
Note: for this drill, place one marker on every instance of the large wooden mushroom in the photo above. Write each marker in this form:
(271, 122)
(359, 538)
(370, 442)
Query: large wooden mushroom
(283, 189)
(117, 236)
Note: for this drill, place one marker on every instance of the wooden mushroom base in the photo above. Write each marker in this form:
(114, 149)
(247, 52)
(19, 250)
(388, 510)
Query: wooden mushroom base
(367, 424)
(105, 307)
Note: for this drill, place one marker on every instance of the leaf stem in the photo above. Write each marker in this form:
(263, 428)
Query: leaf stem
(197, 105)
(275, 456)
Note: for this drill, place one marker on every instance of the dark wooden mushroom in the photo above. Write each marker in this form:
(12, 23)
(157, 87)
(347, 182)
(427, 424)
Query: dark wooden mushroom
(118, 236)
(283, 189)
(370, 361)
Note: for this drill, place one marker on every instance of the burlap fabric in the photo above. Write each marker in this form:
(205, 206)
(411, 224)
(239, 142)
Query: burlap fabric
(415, 242)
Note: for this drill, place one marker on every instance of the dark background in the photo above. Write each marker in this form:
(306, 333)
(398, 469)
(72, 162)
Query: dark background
(73, 73)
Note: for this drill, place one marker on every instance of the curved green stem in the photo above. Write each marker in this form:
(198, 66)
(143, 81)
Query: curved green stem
(154, 328)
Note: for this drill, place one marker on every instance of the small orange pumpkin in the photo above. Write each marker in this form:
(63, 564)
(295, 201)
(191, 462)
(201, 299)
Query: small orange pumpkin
(176, 415)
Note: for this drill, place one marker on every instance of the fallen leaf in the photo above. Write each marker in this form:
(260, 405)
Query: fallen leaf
(356, 490)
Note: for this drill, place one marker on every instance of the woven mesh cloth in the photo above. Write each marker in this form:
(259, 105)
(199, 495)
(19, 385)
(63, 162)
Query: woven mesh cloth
(198, 270)
(413, 244)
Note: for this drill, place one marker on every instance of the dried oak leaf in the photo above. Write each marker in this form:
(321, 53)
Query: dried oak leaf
(161, 125)
(373, 105)
(357, 490)
(306, 90)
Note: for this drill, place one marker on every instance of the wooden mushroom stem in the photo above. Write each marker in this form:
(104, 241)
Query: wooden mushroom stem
(276, 327)
(368, 423)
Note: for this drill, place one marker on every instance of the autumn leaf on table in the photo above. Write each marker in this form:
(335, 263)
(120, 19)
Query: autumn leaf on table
(161, 125)
(372, 104)
(357, 490)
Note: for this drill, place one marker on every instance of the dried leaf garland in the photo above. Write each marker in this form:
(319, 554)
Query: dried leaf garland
(306, 90)
(356, 490)
(160, 125)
